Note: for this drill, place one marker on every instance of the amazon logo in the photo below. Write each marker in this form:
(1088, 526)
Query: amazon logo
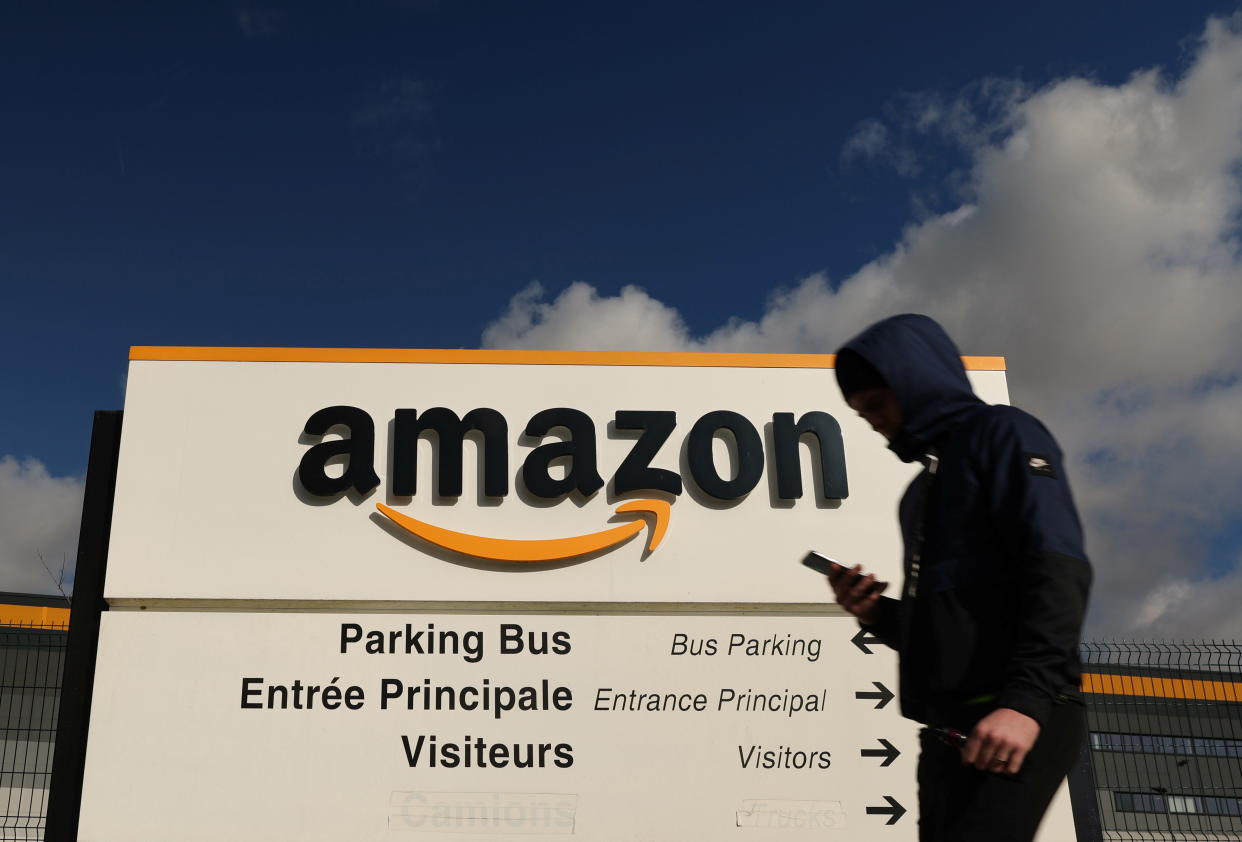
(574, 455)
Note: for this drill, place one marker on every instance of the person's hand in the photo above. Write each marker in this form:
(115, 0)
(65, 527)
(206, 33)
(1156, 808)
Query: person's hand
(856, 593)
(1001, 741)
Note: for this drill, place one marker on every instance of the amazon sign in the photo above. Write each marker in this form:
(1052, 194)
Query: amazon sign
(648, 431)
(383, 594)
(354, 476)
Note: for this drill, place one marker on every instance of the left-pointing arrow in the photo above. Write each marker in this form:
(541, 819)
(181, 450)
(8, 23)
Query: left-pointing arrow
(862, 639)
(889, 752)
(894, 810)
(550, 549)
(884, 695)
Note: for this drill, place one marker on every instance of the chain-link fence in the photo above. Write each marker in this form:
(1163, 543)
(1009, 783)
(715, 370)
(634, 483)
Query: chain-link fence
(31, 662)
(1165, 723)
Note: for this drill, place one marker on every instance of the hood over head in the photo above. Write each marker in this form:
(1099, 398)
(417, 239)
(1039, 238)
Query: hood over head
(920, 363)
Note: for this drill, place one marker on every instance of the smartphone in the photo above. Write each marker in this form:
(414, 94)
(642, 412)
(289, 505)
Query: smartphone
(821, 563)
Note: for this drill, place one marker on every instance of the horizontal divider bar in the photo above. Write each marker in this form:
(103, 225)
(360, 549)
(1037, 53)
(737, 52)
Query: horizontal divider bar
(325, 606)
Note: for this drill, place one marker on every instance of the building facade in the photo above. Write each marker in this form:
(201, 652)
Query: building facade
(1165, 723)
(33, 631)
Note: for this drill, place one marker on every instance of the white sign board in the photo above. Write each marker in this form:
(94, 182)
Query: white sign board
(607, 735)
(324, 627)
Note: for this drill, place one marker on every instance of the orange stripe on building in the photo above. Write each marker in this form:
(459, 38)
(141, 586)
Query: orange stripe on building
(33, 615)
(489, 357)
(1161, 688)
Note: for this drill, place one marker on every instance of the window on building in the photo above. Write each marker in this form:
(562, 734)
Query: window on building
(1217, 806)
(1146, 802)
(1181, 804)
(1138, 802)
(1166, 744)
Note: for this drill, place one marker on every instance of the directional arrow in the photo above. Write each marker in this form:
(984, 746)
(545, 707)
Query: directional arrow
(889, 752)
(885, 695)
(894, 810)
(862, 639)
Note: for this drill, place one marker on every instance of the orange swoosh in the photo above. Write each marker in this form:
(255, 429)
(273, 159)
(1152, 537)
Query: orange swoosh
(551, 549)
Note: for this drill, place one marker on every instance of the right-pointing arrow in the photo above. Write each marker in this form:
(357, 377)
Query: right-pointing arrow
(894, 810)
(885, 695)
(862, 639)
(889, 752)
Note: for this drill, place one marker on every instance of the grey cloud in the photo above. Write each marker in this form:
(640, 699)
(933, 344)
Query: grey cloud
(869, 140)
(39, 516)
(1095, 247)
(872, 141)
(980, 114)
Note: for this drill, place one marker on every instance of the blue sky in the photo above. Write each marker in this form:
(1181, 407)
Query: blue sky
(393, 176)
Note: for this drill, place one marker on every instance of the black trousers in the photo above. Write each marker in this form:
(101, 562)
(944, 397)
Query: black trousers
(959, 803)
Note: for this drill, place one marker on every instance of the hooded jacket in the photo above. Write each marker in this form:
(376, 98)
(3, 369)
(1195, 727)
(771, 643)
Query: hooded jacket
(996, 578)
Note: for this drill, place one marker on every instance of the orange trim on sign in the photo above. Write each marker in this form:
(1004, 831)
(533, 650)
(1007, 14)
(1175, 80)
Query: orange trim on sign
(165, 353)
(33, 615)
(1162, 688)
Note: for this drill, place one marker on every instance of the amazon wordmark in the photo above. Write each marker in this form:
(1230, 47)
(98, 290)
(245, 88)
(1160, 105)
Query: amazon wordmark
(351, 455)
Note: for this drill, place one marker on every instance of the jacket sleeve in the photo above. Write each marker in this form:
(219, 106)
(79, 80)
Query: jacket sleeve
(1033, 511)
(885, 627)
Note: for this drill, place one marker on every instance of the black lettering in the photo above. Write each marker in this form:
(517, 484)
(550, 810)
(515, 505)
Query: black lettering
(359, 447)
(247, 692)
(411, 754)
(278, 691)
(786, 436)
(510, 638)
(636, 472)
(749, 455)
(581, 474)
(350, 633)
(450, 432)
(390, 688)
(683, 644)
(498, 755)
(451, 753)
(679, 644)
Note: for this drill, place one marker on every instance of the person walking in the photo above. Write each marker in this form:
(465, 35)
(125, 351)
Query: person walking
(988, 621)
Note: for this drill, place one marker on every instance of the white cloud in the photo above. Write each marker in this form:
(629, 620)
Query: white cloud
(1096, 246)
(39, 515)
(579, 318)
(869, 141)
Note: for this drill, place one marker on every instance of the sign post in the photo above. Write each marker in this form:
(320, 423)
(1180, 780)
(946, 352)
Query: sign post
(74, 708)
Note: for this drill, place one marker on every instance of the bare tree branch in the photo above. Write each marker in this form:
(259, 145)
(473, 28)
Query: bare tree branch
(58, 581)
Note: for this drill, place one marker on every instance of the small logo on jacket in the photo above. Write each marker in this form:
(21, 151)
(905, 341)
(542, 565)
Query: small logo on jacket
(1039, 465)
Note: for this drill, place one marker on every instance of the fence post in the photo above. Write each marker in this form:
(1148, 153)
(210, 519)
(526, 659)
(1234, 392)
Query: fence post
(1083, 795)
(65, 792)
